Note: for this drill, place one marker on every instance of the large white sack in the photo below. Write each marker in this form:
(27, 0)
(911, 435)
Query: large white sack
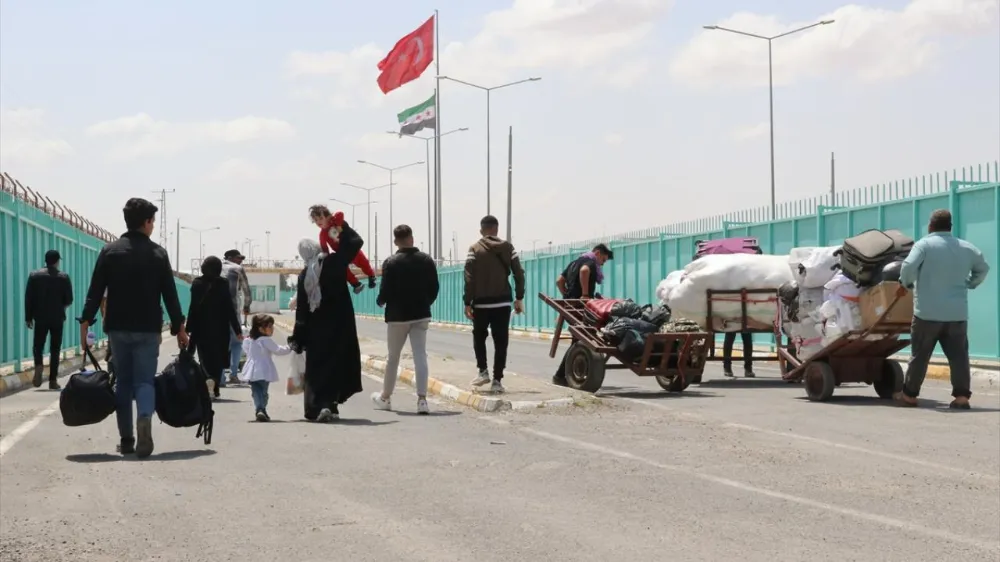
(665, 287)
(813, 267)
(809, 302)
(730, 272)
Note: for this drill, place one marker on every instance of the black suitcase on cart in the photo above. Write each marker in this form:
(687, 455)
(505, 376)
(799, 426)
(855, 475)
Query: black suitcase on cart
(863, 256)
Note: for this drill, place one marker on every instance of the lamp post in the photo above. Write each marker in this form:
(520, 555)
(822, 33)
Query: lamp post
(770, 83)
(368, 219)
(489, 89)
(200, 232)
(391, 171)
(427, 152)
(353, 206)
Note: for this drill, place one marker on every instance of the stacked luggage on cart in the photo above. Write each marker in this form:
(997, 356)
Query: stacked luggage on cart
(874, 256)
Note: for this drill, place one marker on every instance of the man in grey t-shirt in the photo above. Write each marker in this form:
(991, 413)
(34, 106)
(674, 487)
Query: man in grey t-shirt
(232, 271)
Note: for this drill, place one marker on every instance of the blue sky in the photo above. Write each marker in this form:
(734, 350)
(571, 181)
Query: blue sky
(255, 110)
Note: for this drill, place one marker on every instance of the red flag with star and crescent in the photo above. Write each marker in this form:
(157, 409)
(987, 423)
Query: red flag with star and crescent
(408, 59)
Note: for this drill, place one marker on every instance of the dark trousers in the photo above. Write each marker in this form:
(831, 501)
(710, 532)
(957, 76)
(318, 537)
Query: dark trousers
(954, 340)
(495, 322)
(727, 350)
(54, 335)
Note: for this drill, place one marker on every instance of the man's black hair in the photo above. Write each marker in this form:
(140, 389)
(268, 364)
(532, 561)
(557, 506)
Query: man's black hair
(604, 249)
(52, 257)
(489, 221)
(402, 232)
(137, 212)
(940, 221)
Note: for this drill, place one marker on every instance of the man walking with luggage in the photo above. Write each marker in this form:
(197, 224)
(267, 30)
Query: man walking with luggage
(136, 273)
(47, 295)
(236, 276)
(409, 288)
(943, 269)
(488, 297)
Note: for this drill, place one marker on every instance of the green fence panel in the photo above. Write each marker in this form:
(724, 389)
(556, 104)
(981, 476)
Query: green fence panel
(26, 233)
(643, 258)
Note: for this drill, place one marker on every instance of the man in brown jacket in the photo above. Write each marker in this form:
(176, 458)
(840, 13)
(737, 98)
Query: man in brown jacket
(488, 297)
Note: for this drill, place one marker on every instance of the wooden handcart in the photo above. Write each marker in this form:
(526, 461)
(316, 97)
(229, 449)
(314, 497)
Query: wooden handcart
(674, 359)
(741, 324)
(857, 356)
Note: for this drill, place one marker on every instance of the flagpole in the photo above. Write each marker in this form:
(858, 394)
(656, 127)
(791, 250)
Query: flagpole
(438, 248)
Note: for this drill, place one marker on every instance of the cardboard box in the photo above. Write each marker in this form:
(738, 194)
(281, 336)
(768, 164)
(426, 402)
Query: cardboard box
(874, 302)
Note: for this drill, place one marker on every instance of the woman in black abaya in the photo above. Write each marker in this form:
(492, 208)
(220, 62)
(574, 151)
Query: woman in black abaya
(325, 328)
(212, 320)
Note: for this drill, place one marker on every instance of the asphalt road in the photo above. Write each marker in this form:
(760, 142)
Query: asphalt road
(722, 472)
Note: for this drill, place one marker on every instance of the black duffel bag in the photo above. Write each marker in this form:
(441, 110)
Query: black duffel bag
(182, 398)
(89, 396)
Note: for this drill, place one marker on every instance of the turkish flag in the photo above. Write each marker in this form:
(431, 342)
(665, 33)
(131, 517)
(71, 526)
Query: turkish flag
(408, 59)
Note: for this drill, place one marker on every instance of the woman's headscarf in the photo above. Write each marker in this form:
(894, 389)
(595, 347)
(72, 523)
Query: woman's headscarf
(211, 268)
(309, 250)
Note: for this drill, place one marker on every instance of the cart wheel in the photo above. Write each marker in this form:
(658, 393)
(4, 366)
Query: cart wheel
(584, 369)
(676, 384)
(891, 380)
(820, 381)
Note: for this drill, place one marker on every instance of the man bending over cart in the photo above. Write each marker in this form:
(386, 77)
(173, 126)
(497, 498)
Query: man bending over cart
(579, 281)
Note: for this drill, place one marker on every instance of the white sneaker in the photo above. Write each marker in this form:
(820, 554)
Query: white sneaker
(379, 403)
(497, 388)
(483, 378)
(326, 415)
(422, 407)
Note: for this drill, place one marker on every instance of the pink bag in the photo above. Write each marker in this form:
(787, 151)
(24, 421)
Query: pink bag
(727, 246)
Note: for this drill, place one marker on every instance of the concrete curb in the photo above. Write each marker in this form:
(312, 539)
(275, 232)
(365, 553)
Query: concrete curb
(934, 371)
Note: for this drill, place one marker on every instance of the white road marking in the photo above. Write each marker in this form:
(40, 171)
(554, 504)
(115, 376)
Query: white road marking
(906, 526)
(8, 442)
(815, 440)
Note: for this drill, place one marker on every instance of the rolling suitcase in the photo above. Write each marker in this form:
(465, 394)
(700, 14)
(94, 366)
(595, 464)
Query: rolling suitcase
(863, 256)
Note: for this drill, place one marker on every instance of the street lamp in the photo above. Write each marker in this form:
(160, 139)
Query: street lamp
(488, 90)
(368, 216)
(770, 83)
(390, 170)
(201, 231)
(427, 151)
(353, 206)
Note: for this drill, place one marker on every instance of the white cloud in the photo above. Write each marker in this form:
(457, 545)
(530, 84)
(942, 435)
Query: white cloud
(380, 142)
(236, 170)
(531, 35)
(751, 132)
(614, 138)
(24, 140)
(147, 136)
(871, 43)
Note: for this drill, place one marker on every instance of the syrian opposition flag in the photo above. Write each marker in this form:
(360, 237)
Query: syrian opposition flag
(408, 59)
(418, 118)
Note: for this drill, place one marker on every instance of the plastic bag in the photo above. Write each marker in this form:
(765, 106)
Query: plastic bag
(890, 272)
(296, 383)
(814, 267)
(656, 315)
(626, 309)
(615, 331)
(788, 294)
(632, 345)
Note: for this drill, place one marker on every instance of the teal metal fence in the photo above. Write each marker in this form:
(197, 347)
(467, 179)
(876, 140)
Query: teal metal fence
(30, 225)
(643, 258)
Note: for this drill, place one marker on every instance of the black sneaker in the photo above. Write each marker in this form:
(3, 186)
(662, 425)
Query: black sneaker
(127, 446)
(267, 417)
(144, 445)
(727, 373)
(53, 385)
(260, 416)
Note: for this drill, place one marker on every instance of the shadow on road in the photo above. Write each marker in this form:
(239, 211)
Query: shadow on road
(655, 395)
(746, 383)
(349, 421)
(432, 414)
(97, 458)
(857, 400)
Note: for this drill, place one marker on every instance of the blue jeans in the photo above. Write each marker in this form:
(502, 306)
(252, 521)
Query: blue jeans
(136, 357)
(235, 353)
(258, 389)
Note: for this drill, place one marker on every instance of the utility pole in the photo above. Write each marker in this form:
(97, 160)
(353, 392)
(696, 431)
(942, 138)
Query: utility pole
(164, 234)
(177, 235)
(267, 244)
(833, 180)
(510, 178)
(375, 248)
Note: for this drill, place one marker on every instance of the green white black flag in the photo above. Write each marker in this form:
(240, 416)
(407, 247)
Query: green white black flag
(417, 118)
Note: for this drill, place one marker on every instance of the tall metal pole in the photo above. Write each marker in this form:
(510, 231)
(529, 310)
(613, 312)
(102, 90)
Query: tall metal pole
(833, 180)
(437, 133)
(390, 202)
(770, 95)
(267, 243)
(488, 197)
(368, 220)
(427, 158)
(510, 178)
(376, 237)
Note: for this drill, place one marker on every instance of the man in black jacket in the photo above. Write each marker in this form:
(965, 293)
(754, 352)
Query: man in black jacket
(46, 297)
(136, 273)
(409, 288)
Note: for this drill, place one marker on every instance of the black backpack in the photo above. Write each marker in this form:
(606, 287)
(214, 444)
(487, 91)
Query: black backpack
(182, 398)
(89, 396)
